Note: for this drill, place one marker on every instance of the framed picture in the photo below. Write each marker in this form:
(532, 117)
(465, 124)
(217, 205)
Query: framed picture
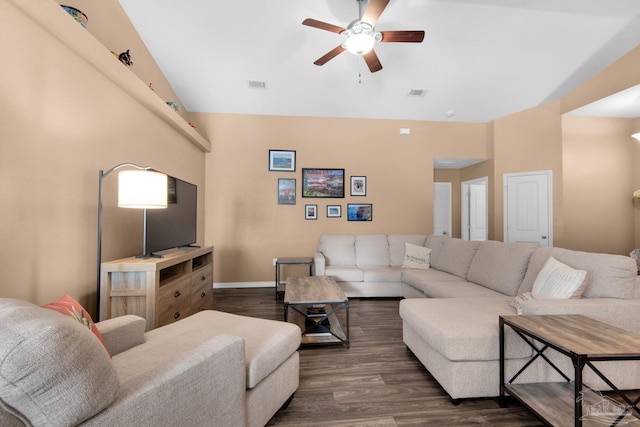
(359, 212)
(358, 185)
(334, 211)
(286, 191)
(323, 183)
(282, 160)
(310, 211)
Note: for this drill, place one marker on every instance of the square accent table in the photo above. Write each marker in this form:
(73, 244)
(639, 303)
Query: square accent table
(316, 304)
(291, 261)
(584, 341)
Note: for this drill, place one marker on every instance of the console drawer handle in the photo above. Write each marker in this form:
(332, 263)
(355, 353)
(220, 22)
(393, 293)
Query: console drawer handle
(176, 294)
(176, 315)
(202, 295)
(202, 278)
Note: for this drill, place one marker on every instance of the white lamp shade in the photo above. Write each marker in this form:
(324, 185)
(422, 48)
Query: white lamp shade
(636, 136)
(142, 189)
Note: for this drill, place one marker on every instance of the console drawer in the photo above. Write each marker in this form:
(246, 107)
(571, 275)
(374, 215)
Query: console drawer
(174, 301)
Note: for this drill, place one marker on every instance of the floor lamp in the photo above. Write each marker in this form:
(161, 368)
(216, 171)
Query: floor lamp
(138, 188)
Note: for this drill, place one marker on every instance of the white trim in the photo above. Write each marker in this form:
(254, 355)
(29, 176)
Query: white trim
(229, 285)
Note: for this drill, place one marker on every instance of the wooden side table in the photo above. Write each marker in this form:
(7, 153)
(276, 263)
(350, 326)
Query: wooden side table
(291, 261)
(584, 341)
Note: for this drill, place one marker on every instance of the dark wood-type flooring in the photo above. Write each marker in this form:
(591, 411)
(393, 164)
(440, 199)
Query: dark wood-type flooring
(375, 382)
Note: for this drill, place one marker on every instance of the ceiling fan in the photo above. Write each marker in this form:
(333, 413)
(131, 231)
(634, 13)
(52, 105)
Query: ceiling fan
(361, 35)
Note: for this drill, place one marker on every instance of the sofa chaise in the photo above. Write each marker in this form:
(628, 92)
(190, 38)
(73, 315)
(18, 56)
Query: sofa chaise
(212, 368)
(451, 306)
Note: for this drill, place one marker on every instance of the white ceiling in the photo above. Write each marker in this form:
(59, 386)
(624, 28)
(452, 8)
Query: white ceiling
(480, 60)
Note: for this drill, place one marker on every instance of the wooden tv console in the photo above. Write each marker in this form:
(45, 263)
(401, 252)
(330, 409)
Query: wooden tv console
(162, 290)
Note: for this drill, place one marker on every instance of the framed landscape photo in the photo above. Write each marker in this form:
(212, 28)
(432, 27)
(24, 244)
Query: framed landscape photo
(358, 185)
(334, 211)
(359, 212)
(282, 160)
(323, 183)
(286, 191)
(310, 211)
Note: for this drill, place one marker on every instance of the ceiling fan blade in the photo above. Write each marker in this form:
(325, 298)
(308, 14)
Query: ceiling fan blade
(322, 25)
(329, 56)
(402, 36)
(372, 61)
(373, 12)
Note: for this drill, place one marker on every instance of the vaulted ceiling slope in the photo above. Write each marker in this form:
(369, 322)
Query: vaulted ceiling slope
(480, 59)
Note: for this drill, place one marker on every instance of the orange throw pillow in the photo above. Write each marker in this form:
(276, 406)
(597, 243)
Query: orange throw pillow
(70, 307)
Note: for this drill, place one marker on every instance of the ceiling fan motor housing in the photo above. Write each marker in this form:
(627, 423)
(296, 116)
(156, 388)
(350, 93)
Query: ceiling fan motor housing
(361, 36)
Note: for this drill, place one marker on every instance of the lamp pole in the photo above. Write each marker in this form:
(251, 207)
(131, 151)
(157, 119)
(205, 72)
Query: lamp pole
(101, 176)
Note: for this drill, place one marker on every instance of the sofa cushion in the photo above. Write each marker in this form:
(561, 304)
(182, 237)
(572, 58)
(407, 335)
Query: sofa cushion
(345, 273)
(608, 276)
(416, 257)
(463, 329)
(68, 306)
(397, 245)
(435, 242)
(338, 249)
(418, 278)
(500, 266)
(372, 249)
(268, 343)
(557, 281)
(455, 256)
(459, 289)
(377, 273)
(53, 370)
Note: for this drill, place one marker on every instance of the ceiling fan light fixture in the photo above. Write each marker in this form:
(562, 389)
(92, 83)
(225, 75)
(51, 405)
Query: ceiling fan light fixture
(360, 37)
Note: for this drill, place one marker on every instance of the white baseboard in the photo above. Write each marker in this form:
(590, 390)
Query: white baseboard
(227, 285)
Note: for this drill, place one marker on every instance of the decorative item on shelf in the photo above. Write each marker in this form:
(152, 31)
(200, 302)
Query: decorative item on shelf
(124, 57)
(174, 105)
(77, 15)
(151, 87)
(193, 125)
(636, 199)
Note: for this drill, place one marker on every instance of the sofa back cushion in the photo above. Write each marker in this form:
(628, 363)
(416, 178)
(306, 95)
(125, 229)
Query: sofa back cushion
(608, 276)
(435, 242)
(53, 369)
(397, 246)
(501, 266)
(338, 249)
(455, 256)
(372, 249)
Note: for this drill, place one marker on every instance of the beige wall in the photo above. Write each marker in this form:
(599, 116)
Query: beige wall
(598, 183)
(61, 123)
(249, 228)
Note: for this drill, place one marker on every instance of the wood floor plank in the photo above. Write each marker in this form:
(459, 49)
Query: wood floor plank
(376, 382)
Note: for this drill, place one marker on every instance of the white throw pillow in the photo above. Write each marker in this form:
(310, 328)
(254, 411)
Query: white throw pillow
(416, 256)
(557, 281)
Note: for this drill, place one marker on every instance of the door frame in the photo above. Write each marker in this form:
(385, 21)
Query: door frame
(465, 207)
(505, 208)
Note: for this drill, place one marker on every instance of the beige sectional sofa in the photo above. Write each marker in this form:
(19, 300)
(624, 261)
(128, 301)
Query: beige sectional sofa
(212, 368)
(450, 311)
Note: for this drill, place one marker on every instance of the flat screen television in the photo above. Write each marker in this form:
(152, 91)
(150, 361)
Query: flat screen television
(176, 225)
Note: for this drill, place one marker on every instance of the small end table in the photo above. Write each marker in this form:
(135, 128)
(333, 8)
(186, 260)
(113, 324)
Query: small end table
(291, 261)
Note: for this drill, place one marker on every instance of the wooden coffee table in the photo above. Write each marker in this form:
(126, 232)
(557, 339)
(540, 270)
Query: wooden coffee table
(584, 341)
(319, 307)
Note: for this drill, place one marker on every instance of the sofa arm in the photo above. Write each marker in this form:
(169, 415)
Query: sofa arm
(318, 264)
(622, 313)
(194, 383)
(122, 333)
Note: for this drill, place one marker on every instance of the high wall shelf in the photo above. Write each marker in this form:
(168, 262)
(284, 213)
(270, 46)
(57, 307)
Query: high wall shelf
(51, 17)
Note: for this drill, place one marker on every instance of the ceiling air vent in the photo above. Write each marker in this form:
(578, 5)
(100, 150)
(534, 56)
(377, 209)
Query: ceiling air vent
(255, 84)
(417, 92)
